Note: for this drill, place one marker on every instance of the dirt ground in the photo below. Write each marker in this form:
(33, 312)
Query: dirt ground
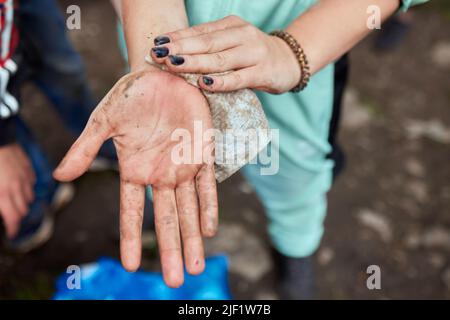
(390, 207)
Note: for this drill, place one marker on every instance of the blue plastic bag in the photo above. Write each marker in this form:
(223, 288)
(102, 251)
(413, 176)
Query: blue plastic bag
(107, 279)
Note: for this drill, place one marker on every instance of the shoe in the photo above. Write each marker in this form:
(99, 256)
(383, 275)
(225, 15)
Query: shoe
(295, 277)
(38, 226)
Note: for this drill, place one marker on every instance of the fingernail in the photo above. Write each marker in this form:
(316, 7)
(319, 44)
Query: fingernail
(161, 52)
(208, 81)
(176, 60)
(161, 40)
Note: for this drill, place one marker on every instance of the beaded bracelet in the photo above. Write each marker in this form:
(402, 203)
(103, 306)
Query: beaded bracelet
(300, 55)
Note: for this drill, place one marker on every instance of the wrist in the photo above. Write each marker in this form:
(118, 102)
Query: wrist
(8, 147)
(302, 61)
(142, 66)
(290, 62)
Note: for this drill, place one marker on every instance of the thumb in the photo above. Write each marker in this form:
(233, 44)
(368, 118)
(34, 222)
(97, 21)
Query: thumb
(84, 150)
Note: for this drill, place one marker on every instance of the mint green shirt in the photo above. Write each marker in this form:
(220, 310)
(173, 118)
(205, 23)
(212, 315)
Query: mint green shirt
(304, 116)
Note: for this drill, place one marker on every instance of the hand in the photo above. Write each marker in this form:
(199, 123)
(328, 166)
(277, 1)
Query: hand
(16, 187)
(140, 113)
(255, 59)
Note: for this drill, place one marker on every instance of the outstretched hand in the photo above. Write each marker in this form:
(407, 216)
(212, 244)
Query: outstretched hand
(140, 113)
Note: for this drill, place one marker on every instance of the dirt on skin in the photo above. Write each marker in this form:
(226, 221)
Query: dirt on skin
(390, 207)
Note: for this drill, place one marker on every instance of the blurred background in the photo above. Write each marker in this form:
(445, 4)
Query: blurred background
(390, 207)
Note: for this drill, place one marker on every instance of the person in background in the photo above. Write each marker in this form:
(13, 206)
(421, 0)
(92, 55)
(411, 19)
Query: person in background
(38, 50)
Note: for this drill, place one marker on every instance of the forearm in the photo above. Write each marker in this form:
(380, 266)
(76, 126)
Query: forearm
(332, 27)
(143, 20)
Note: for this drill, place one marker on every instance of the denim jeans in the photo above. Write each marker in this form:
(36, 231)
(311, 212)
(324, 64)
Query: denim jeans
(53, 65)
(45, 185)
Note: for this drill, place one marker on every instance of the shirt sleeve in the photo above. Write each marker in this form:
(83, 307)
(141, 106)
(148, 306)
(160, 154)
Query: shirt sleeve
(406, 4)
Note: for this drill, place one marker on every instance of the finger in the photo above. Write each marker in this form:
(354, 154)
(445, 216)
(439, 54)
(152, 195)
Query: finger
(28, 192)
(232, 59)
(207, 194)
(189, 216)
(11, 218)
(28, 170)
(19, 200)
(206, 43)
(84, 150)
(241, 79)
(225, 23)
(28, 176)
(132, 199)
(168, 235)
(31, 176)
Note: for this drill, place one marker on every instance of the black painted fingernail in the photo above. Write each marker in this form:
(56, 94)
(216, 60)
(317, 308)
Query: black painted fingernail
(208, 80)
(161, 40)
(176, 60)
(161, 52)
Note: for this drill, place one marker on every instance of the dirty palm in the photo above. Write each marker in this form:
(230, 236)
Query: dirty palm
(140, 122)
